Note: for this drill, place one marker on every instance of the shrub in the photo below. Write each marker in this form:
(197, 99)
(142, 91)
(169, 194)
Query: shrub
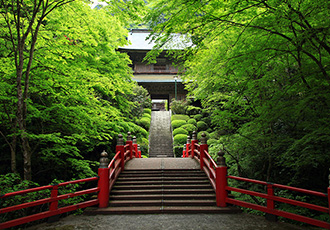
(146, 115)
(192, 121)
(207, 120)
(180, 131)
(178, 151)
(189, 127)
(178, 123)
(199, 135)
(198, 117)
(193, 110)
(144, 122)
(146, 110)
(179, 107)
(201, 126)
(179, 117)
(180, 139)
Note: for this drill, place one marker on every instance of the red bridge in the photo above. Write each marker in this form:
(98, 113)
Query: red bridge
(192, 184)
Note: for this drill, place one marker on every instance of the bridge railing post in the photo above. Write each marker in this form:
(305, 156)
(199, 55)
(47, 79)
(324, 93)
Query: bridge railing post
(203, 148)
(187, 146)
(329, 193)
(135, 147)
(193, 142)
(103, 182)
(221, 180)
(129, 141)
(139, 151)
(184, 150)
(120, 148)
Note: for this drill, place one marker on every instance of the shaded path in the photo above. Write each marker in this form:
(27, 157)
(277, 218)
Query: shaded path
(167, 221)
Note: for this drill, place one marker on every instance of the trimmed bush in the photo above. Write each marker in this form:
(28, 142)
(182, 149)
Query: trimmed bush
(201, 126)
(192, 121)
(180, 131)
(180, 139)
(193, 110)
(144, 122)
(148, 111)
(198, 117)
(179, 117)
(212, 142)
(189, 127)
(147, 115)
(178, 123)
(178, 150)
(207, 120)
(199, 135)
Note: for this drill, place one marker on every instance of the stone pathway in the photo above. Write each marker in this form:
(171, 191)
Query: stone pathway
(240, 221)
(160, 139)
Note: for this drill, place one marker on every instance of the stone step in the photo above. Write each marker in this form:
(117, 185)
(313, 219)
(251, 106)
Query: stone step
(167, 182)
(161, 209)
(129, 203)
(144, 187)
(210, 196)
(162, 191)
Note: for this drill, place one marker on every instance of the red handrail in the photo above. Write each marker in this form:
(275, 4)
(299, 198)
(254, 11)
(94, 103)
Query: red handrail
(219, 180)
(51, 200)
(107, 175)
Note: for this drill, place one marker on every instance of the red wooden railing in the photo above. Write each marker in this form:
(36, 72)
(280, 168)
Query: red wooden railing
(217, 174)
(107, 175)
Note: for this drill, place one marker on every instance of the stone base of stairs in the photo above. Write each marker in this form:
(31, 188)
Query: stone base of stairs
(161, 210)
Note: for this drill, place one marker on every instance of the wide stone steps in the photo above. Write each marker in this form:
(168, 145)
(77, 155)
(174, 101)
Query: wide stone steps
(162, 191)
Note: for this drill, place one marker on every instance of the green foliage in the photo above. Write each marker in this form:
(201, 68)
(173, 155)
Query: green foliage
(199, 135)
(201, 126)
(179, 117)
(198, 117)
(178, 123)
(189, 127)
(141, 101)
(193, 110)
(192, 121)
(178, 150)
(179, 107)
(147, 110)
(180, 131)
(144, 122)
(180, 139)
(147, 115)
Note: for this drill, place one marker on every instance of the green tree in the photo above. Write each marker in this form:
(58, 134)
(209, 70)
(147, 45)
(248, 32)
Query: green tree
(260, 70)
(72, 85)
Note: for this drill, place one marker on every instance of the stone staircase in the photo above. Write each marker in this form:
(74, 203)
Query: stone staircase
(160, 135)
(162, 185)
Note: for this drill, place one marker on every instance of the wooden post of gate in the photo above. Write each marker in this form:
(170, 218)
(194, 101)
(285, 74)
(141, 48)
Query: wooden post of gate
(103, 183)
(120, 148)
(130, 143)
(135, 147)
(203, 148)
(221, 180)
(193, 141)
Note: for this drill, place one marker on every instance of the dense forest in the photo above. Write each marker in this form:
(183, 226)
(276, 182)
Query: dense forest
(259, 68)
(261, 72)
(65, 90)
